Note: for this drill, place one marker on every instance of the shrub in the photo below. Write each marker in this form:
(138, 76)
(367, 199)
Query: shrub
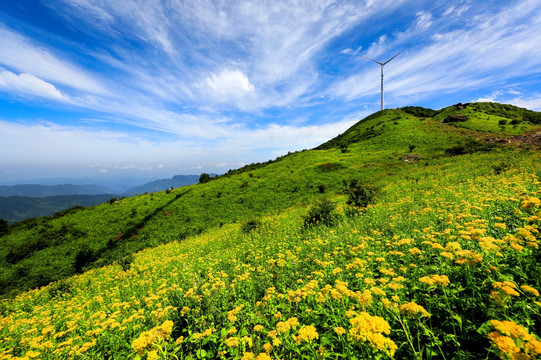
(420, 111)
(59, 288)
(358, 195)
(501, 167)
(250, 225)
(204, 178)
(83, 258)
(125, 262)
(4, 228)
(321, 213)
(502, 122)
(470, 146)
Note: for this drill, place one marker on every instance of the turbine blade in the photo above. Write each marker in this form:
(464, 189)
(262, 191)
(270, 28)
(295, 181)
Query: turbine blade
(372, 60)
(394, 56)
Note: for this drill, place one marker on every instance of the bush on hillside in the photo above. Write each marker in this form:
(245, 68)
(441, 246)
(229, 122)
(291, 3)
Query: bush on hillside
(4, 228)
(321, 213)
(470, 146)
(250, 225)
(204, 178)
(419, 111)
(358, 195)
(84, 257)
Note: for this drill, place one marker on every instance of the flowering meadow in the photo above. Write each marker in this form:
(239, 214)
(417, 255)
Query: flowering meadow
(443, 263)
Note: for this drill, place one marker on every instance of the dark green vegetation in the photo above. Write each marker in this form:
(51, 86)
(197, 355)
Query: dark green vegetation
(17, 208)
(378, 148)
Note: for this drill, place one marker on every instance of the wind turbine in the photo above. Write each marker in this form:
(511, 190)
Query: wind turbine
(382, 65)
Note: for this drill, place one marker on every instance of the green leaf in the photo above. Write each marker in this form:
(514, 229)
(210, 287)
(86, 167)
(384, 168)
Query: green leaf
(201, 353)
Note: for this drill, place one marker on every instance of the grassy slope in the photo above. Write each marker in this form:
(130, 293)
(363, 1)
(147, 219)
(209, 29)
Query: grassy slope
(417, 201)
(118, 229)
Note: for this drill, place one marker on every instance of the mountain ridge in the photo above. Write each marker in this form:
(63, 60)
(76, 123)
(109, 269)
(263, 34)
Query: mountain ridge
(37, 190)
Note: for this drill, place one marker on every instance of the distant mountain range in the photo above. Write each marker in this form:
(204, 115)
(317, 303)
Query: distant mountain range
(35, 190)
(163, 184)
(23, 201)
(17, 208)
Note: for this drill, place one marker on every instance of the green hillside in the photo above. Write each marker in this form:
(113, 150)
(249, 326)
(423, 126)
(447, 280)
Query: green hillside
(414, 234)
(17, 208)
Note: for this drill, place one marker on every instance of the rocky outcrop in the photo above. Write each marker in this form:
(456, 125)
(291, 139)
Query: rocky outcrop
(455, 118)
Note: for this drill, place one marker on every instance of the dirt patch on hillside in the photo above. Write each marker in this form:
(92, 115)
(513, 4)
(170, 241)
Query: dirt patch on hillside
(529, 139)
(533, 138)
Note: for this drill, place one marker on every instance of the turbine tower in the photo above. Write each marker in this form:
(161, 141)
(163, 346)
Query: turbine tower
(382, 65)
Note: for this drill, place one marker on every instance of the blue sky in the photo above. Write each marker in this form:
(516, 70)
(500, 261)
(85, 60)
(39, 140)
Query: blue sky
(162, 87)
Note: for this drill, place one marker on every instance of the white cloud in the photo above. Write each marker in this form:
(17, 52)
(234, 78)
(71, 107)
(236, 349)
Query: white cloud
(228, 85)
(28, 84)
(531, 103)
(19, 53)
(424, 20)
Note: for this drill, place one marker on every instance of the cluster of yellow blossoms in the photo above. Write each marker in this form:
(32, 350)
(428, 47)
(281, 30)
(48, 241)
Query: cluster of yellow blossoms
(512, 341)
(366, 328)
(145, 341)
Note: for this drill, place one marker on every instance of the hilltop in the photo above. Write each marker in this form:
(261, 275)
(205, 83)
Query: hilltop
(412, 234)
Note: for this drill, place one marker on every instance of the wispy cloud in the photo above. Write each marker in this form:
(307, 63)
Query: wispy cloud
(513, 97)
(21, 54)
(28, 84)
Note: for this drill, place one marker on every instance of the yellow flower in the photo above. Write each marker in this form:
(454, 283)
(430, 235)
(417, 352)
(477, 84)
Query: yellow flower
(500, 226)
(339, 330)
(248, 356)
(267, 347)
(442, 280)
(283, 327)
(412, 309)
(147, 338)
(370, 329)
(506, 287)
(232, 342)
(530, 290)
(307, 333)
(513, 341)
(263, 356)
(530, 202)
(232, 315)
(258, 328)
(293, 322)
(32, 354)
(153, 355)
